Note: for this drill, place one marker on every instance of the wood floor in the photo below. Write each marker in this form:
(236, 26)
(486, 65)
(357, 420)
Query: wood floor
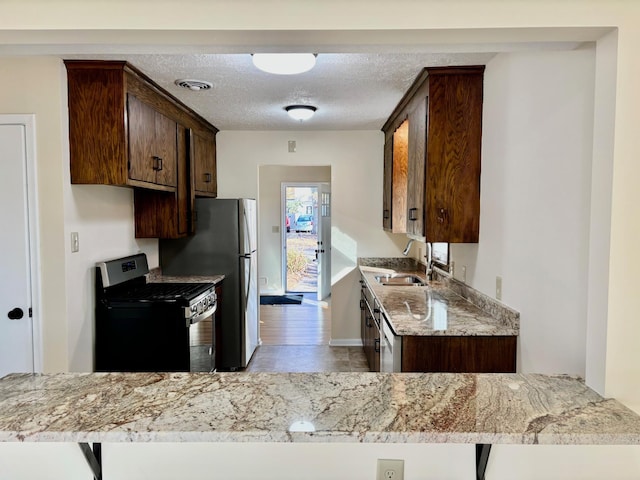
(295, 338)
(306, 324)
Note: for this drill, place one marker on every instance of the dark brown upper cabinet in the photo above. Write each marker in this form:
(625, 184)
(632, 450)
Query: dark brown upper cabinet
(396, 163)
(125, 130)
(204, 164)
(441, 198)
(152, 144)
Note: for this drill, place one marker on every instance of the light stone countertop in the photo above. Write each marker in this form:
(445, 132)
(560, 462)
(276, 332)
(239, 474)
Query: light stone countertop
(156, 276)
(310, 407)
(434, 310)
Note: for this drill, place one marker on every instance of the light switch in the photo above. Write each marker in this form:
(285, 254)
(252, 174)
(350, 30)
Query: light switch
(275, 229)
(75, 242)
(292, 146)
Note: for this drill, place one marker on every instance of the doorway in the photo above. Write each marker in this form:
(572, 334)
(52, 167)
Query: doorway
(306, 239)
(309, 322)
(300, 272)
(19, 306)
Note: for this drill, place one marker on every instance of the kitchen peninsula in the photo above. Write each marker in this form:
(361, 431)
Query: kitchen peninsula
(481, 409)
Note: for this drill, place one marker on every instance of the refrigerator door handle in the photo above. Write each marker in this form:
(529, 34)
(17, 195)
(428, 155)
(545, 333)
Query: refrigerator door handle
(248, 233)
(246, 242)
(247, 284)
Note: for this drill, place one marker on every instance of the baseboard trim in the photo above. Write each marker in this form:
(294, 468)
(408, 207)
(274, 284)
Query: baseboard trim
(345, 342)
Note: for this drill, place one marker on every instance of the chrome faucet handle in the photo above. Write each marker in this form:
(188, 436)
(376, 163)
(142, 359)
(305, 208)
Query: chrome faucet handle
(429, 258)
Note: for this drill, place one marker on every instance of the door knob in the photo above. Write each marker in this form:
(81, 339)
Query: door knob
(16, 314)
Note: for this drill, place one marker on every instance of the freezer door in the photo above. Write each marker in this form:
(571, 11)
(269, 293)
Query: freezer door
(248, 226)
(249, 305)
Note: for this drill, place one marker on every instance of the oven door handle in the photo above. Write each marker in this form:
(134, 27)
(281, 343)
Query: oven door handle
(201, 316)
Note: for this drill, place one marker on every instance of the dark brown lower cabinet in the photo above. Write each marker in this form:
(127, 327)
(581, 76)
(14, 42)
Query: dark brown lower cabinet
(473, 354)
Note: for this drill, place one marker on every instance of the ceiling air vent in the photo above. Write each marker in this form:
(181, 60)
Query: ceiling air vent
(195, 85)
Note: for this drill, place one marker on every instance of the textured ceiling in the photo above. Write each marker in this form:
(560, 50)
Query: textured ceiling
(352, 91)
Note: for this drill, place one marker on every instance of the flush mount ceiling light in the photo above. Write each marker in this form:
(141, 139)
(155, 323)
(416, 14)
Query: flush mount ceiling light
(284, 63)
(300, 112)
(195, 85)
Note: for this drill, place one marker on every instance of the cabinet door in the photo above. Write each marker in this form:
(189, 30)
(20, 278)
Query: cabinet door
(165, 150)
(363, 319)
(204, 164)
(417, 168)
(161, 214)
(142, 128)
(376, 347)
(152, 144)
(400, 178)
(455, 138)
(368, 339)
(387, 184)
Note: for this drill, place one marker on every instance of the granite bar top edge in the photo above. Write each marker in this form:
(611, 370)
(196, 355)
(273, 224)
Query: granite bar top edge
(225, 407)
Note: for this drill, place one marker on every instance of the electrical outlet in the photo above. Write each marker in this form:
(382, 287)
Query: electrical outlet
(452, 268)
(390, 469)
(498, 288)
(463, 274)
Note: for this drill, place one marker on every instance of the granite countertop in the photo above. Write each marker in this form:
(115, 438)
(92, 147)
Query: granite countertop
(436, 309)
(310, 407)
(156, 276)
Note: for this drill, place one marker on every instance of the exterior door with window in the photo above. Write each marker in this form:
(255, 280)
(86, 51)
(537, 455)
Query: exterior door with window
(324, 241)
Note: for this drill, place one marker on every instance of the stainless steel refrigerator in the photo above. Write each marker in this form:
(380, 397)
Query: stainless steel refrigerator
(225, 242)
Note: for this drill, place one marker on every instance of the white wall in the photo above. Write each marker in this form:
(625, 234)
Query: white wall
(270, 179)
(535, 202)
(43, 79)
(103, 217)
(317, 461)
(600, 222)
(355, 158)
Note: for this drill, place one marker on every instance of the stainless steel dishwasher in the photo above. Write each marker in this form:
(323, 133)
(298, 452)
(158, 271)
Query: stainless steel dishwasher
(391, 350)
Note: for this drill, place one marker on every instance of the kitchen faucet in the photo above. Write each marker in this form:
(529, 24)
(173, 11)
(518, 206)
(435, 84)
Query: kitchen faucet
(428, 256)
(405, 252)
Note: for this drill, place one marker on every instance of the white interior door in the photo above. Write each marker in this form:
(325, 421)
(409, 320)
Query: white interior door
(16, 321)
(324, 241)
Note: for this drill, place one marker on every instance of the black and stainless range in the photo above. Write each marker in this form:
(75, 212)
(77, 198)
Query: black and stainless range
(151, 327)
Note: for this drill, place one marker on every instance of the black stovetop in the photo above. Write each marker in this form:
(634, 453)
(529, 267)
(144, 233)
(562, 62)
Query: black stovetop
(156, 292)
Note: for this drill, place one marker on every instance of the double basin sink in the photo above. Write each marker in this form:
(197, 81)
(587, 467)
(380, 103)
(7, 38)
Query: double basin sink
(400, 280)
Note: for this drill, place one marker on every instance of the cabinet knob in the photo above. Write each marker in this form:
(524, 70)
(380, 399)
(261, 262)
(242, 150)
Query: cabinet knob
(386, 214)
(207, 178)
(376, 345)
(157, 163)
(412, 214)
